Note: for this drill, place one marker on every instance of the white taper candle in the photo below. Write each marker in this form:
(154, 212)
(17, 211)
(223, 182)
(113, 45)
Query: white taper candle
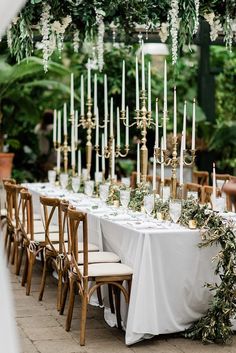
(97, 128)
(76, 127)
(193, 126)
(123, 87)
(127, 127)
(162, 164)
(137, 84)
(154, 178)
(65, 119)
(72, 93)
(184, 125)
(175, 114)
(111, 118)
(95, 100)
(59, 127)
(181, 162)
(156, 126)
(82, 95)
(54, 126)
(118, 126)
(79, 163)
(143, 69)
(149, 88)
(138, 163)
(89, 79)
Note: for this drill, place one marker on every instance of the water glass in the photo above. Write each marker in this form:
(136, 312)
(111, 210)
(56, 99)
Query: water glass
(175, 207)
(104, 191)
(64, 180)
(124, 198)
(193, 195)
(84, 174)
(52, 176)
(125, 181)
(98, 177)
(148, 203)
(166, 193)
(89, 187)
(75, 181)
(218, 204)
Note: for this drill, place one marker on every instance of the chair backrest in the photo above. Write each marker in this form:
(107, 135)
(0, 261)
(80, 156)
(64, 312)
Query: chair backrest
(222, 177)
(192, 187)
(26, 214)
(12, 193)
(52, 212)
(75, 218)
(232, 178)
(207, 192)
(65, 227)
(201, 177)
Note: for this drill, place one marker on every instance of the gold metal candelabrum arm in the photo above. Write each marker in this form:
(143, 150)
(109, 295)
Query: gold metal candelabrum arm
(118, 152)
(189, 157)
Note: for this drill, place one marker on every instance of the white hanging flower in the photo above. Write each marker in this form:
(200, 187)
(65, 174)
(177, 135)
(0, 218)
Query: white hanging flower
(45, 31)
(215, 28)
(56, 27)
(9, 37)
(164, 32)
(196, 25)
(229, 33)
(76, 41)
(100, 42)
(209, 17)
(66, 21)
(15, 20)
(174, 22)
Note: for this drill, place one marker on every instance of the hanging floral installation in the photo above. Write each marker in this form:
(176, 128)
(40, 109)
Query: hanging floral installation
(50, 21)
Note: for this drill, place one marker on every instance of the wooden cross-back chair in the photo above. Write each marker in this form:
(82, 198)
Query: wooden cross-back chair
(201, 177)
(222, 177)
(94, 256)
(3, 208)
(100, 273)
(34, 235)
(192, 187)
(207, 192)
(12, 230)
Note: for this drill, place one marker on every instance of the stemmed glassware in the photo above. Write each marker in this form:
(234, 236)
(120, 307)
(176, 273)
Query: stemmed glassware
(52, 176)
(75, 182)
(64, 180)
(175, 207)
(104, 192)
(124, 198)
(89, 187)
(148, 203)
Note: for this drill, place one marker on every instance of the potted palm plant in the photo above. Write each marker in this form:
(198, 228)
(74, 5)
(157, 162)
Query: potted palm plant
(13, 80)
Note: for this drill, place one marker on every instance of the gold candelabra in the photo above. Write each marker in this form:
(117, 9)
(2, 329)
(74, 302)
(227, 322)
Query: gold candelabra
(143, 122)
(65, 149)
(170, 158)
(88, 123)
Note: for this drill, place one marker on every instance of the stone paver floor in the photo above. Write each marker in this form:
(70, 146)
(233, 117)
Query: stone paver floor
(41, 328)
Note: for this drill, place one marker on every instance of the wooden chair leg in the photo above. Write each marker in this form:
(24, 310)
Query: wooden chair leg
(14, 250)
(32, 257)
(99, 296)
(18, 267)
(43, 280)
(24, 276)
(64, 296)
(59, 290)
(70, 305)
(9, 247)
(83, 320)
(117, 304)
(111, 299)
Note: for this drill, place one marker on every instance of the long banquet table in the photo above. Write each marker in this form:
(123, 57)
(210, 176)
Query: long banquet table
(170, 270)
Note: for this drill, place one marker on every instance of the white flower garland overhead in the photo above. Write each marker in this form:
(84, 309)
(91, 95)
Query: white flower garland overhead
(164, 33)
(196, 25)
(100, 42)
(76, 41)
(45, 31)
(174, 22)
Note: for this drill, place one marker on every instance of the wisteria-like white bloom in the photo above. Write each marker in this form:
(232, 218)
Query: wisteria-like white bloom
(228, 33)
(174, 22)
(209, 17)
(76, 41)
(215, 28)
(9, 37)
(196, 25)
(66, 21)
(164, 32)
(100, 43)
(15, 20)
(45, 30)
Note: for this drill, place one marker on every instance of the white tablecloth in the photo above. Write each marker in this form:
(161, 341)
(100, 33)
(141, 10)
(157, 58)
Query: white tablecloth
(170, 270)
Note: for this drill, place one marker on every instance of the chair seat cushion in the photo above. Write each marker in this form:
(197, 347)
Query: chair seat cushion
(99, 257)
(91, 247)
(107, 269)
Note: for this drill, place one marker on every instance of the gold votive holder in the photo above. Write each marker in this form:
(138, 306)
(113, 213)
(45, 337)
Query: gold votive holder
(116, 203)
(192, 224)
(160, 216)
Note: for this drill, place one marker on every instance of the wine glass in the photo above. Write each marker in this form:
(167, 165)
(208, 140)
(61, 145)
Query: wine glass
(175, 207)
(89, 187)
(148, 202)
(64, 180)
(104, 191)
(75, 182)
(52, 176)
(124, 198)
